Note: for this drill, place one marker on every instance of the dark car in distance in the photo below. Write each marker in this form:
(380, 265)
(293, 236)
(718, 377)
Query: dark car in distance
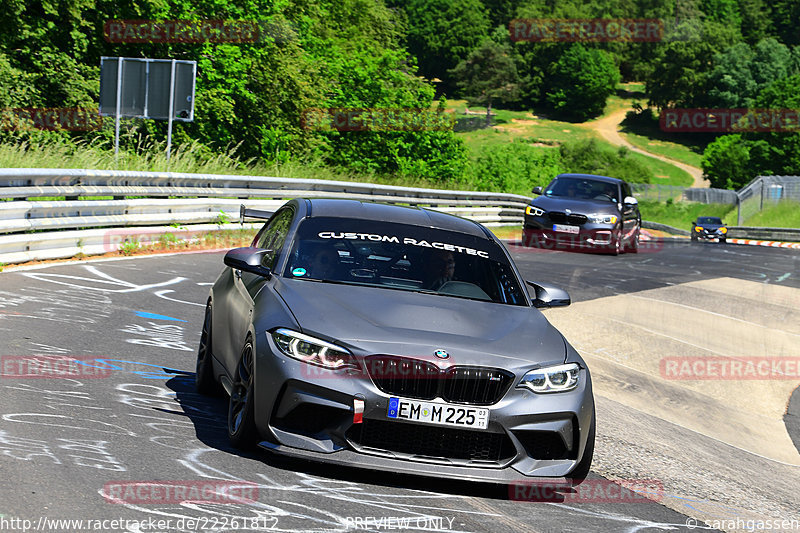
(583, 212)
(708, 228)
(397, 339)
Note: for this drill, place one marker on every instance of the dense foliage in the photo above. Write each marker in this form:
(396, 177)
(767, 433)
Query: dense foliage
(252, 97)
(733, 160)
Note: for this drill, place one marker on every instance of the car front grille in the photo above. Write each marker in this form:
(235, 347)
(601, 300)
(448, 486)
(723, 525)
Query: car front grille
(480, 386)
(432, 441)
(422, 380)
(557, 217)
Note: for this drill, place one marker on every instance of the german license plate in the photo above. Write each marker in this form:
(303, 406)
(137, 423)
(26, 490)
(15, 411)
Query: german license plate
(561, 228)
(442, 414)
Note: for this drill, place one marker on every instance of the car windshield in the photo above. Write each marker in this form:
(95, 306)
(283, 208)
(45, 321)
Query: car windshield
(709, 220)
(403, 257)
(583, 189)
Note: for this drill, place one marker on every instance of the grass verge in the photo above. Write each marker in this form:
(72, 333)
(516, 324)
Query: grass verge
(784, 214)
(191, 158)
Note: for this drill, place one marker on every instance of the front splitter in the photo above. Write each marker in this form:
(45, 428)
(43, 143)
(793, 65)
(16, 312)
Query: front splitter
(352, 459)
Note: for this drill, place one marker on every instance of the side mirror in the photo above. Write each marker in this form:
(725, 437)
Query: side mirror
(630, 200)
(249, 260)
(547, 295)
(537, 190)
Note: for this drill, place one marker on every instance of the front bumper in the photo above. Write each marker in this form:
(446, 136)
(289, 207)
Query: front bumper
(709, 235)
(310, 412)
(598, 237)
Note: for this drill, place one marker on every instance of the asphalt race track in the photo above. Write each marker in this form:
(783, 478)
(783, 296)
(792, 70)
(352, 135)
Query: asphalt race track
(66, 445)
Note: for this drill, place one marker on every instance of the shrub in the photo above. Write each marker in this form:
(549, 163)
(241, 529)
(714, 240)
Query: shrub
(514, 167)
(591, 158)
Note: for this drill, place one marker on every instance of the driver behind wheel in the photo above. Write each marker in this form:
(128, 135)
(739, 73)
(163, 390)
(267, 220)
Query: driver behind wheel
(440, 269)
(324, 263)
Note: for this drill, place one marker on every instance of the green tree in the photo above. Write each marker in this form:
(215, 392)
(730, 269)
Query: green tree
(677, 75)
(443, 32)
(777, 152)
(756, 23)
(733, 160)
(581, 81)
(487, 74)
(784, 15)
(726, 162)
(742, 71)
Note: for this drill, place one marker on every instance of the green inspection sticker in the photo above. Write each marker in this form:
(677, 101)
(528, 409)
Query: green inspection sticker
(299, 272)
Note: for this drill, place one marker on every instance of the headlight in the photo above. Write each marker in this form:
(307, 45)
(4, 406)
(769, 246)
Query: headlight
(535, 211)
(599, 218)
(698, 229)
(559, 378)
(310, 350)
(723, 230)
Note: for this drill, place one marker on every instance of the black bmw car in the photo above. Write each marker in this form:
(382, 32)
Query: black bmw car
(584, 212)
(397, 339)
(708, 228)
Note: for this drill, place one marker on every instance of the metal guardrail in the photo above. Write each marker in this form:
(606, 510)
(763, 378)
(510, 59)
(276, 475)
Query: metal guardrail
(144, 206)
(736, 232)
(33, 229)
(767, 234)
(664, 227)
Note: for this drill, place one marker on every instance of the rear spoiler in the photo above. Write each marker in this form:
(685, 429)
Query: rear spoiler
(244, 212)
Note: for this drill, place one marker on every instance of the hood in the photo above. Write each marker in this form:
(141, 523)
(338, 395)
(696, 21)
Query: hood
(370, 320)
(578, 206)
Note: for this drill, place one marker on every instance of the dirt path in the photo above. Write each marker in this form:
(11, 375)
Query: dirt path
(608, 128)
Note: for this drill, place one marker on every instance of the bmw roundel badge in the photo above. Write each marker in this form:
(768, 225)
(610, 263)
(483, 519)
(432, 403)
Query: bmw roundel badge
(441, 354)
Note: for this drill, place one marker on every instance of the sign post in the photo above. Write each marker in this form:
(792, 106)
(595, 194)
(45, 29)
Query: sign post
(116, 112)
(159, 89)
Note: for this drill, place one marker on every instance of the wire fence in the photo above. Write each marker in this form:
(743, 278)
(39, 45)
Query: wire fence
(660, 193)
(750, 199)
(765, 191)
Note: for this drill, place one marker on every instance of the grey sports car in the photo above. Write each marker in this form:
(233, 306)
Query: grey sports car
(394, 338)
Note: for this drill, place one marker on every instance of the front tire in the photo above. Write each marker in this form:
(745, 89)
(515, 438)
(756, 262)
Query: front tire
(242, 430)
(204, 381)
(633, 246)
(617, 249)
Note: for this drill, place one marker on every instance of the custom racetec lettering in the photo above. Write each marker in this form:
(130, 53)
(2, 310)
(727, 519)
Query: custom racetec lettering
(405, 240)
(358, 236)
